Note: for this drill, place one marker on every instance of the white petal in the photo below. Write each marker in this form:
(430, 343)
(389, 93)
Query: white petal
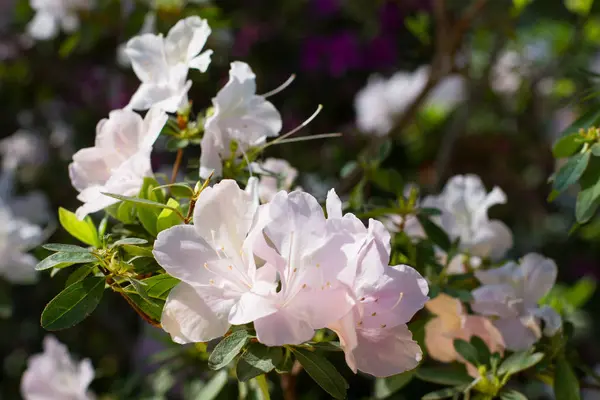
(250, 307)
(552, 319)
(186, 39)
(188, 319)
(495, 300)
(147, 55)
(89, 168)
(334, 205)
(210, 161)
(501, 275)
(168, 96)
(201, 62)
(153, 123)
(345, 328)
(321, 307)
(539, 275)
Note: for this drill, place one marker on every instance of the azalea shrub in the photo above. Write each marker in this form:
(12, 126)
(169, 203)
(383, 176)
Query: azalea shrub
(258, 282)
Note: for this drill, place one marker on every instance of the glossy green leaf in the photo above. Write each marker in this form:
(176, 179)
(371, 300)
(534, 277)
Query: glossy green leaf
(566, 385)
(65, 248)
(228, 349)
(167, 218)
(151, 190)
(436, 234)
(84, 231)
(570, 173)
(179, 190)
(79, 274)
(258, 359)
(137, 250)
(140, 202)
(148, 219)
(444, 393)
(587, 120)
(64, 260)
(152, 309)
(159, 286)
(73, 304)
(322, 372)
(519, 361)
(126, 212)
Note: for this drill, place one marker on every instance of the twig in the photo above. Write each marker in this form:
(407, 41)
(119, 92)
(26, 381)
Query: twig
(176, 165)
(288, 382)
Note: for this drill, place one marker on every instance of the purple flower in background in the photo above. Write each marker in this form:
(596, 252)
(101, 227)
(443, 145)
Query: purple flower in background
(325, 7)
(391, 18)
(337, 53)
(248, 35)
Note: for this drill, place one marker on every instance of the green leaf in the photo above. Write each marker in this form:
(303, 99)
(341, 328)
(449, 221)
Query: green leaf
(175, 144)
(385, 387)
(444, 393)
(79, 274)
(519, 361)
(150, 191)
(258, 359)
(151, 309)
(64, 260)
(212, 389)
(140, 202)
(286, 364)
(568, 145)
(348, 169)
(389, 180)
(228, 349)
(512, 395)
(580, 293)
(385, 149)
(483, 352)
(148, 218)
(73, 304)
(65, 248)
(595, 149)
(435, 233)
(444, 375)
(588, 198)
(126, 212)
(137, 250)
(179, 190)
(326, 346)
(69, 44)
(467, 351)
(570, 173)
(322, 372)
(159, 286)
(263, 387)
(125, 241)
(84, 231)
(167, 218)
(566, 385)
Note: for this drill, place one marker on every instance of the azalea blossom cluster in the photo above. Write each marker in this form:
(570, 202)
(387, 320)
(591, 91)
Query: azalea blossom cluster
(289, 270)
(120, 158)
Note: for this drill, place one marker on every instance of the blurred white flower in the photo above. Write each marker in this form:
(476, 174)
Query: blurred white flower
(23, 147)
(276, 174)
(54, 375)
(119, 161)
(381, 101)
(511, 294)
(162, 63)
(239, 115)
(52, 15)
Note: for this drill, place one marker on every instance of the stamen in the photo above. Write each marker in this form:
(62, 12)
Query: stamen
(281, 87)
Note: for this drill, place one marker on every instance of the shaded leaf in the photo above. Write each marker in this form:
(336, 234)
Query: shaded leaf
(258, 359)
(436, 234)
(385, 387)
(566, 385)
(444, 375)
(570, 173)
(519, 361)
(568, 145)
(467, 351)
(159, 286)
(65, 248)
(444, 393)
(79, 274)
(167, 218)
(214, 386)
(322, 372)
(512, 395)
(588, 197)
(73, 304)
(122, 242)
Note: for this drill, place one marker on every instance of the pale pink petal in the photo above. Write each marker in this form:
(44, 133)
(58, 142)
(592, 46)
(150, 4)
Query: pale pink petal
(282, 328)
(345, 328)
(495, 300)
(539, 274)
(552, 319)
(188, 319)
(501, 275)
(386, 352)
(448, 309)
(250, 307)
(333, 205)
(518, 333)
(322, 306)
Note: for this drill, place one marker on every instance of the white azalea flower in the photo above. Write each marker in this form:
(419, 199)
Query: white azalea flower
(119, 161)
(239, 115)
(52, 15)
(511, 293)
(382, 101)
(276, 175)
(54, 375)
(464, 204)
(148, 26)
(162, 63)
